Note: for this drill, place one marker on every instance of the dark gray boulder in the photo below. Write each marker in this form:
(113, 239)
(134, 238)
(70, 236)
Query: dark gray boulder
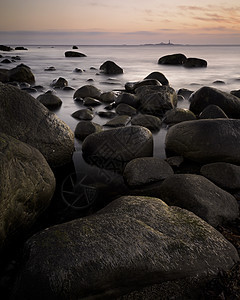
(5, 48)
(205, 96)
(49, 99)
(24, 118)
(85, 128)
(200, 196)
(27, 185)
(127, 98)
(192, 62)
(122, 144)
(132, 243)
(125, 109)
(185, 93)
(108, 97)
(83, 114)
(107, 114)
(74, 54)
(158, 76)
(21, 73)
(172, 59)
(87, 91)
(4, 76)
(156, 100)
(110, 67)
(177, 115)
(59, 83)
(20, 48)
(212, 112)
(206, 141)
(6, 61)
(144, 170)
(151, 122)
(225, 175)
(90, 101)
(235, 93)
(118, 121)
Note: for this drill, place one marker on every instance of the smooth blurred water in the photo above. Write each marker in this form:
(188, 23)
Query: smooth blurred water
(137, 62)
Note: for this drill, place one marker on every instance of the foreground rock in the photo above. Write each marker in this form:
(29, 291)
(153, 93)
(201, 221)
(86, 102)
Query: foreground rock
(200, 196)
(26, 187)
(110, 67)
(151, 122)
(24, 118)
(158, 76)
(225, 175)
(146, 170)
(206, 141)
(212, 112)
(205, 96)
(133, 242)
(177, 115)
(122, 144)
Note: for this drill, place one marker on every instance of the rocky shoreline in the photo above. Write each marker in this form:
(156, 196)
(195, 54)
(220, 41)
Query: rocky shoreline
(154, 226)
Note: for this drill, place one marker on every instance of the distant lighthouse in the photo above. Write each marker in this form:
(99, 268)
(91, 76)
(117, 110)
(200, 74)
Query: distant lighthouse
(169, 42)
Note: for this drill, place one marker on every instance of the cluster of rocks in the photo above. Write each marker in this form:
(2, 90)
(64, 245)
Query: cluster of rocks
(181, 59)
(161, 232)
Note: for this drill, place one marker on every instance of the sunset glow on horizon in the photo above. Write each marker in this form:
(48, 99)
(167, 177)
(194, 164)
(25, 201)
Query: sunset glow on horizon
(118, 22)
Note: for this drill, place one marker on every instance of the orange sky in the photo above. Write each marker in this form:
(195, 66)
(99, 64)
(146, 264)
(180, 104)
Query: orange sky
(119, 22)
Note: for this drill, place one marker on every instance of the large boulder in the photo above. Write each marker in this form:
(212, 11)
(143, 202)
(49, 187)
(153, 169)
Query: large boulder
(21, 73)
(212, 112)
(132, 86)
(5, 48)
(26, 119)
(153, 123)
(110, 67)
(172, 59)
(205, 96)
(144, 170)
(26, 187)
(177, 115)
(200, 196)
(156, 100)
(122, 144)
(132, 243)
(85, 128)
(225, 175)
(4, 76)
(127, 98)
(205, 141)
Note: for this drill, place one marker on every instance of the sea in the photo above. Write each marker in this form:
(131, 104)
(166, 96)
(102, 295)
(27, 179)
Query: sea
(137, 62)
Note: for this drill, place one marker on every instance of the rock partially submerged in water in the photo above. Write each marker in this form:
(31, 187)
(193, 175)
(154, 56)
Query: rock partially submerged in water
(83, 114)
(87, 91)
(206, 141)
(172, 59)
(5, 48)
(205, 96)
(59, 83)
(193, 62)
(74, 54)
(158, 76)
(49, 99)
(122, 144)
(212, 112)
(132, 243)
(24, 118)
(27, 185)
(177, 115)
(21, 73)
(151, 122)
(110, 67)
(125, 109)
(200, 196)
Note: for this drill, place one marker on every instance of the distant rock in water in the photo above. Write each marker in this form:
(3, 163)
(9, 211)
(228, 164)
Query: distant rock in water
(74, 47)
(110, 67)
(172, 59)
(5, 48)
(192, 62)
(74, 54)
(20, 48)
(59, 83)
(49, 100)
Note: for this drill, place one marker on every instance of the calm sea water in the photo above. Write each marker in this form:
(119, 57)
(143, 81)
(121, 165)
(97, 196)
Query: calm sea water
(137, 62)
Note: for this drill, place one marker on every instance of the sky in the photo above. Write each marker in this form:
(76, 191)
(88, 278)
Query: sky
(104, 22)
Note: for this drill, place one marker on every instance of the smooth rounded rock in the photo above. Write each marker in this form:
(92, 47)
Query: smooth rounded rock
(172, 59)
(49, 100)
(110, 67)
(85, 128)
(87, 91)
(151, 122)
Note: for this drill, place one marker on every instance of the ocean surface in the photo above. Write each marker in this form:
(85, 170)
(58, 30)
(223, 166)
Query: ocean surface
(137, 62)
